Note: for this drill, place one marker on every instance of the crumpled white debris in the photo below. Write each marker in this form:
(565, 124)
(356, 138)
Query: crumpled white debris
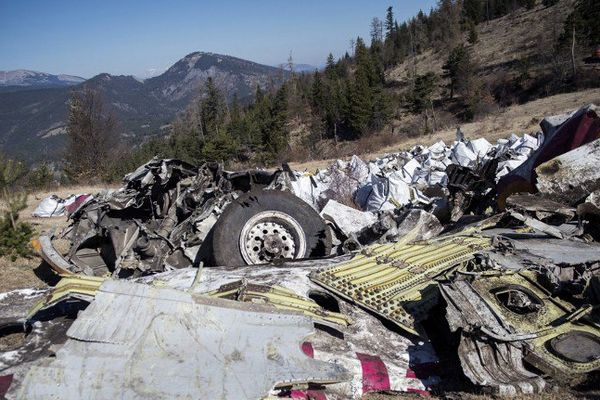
(462, 155)
(479, 147)
(348, 220)
(54, 206)
(398, 179)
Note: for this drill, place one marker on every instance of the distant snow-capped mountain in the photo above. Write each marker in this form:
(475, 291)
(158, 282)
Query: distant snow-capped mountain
(23, 78)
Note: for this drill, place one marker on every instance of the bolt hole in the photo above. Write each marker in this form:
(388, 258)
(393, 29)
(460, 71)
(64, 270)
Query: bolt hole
(257, 238)
(284, 238)
(265, 231)
(287, 248)
(255, 248)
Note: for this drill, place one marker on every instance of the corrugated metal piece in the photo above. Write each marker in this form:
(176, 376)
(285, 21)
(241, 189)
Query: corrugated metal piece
(395, 281)
(136, 341)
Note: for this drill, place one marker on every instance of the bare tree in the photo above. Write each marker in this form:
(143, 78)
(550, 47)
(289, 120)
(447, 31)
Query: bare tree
(91, 135)
(376, 30)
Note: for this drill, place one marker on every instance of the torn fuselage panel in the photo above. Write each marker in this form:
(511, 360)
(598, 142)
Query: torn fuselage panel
(179, 345)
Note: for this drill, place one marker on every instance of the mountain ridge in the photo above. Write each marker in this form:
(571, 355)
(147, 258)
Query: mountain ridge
(33, 119)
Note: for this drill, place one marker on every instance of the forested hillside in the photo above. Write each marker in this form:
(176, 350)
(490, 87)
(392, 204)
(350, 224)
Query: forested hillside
(453, 64)
(33, 118)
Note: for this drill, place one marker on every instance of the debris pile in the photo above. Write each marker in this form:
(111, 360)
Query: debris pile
(167, 216)
(364, 277)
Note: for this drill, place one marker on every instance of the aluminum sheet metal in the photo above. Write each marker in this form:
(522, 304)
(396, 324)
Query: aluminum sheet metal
(136, 341)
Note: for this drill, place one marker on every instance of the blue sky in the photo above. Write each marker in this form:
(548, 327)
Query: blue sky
(87, 37)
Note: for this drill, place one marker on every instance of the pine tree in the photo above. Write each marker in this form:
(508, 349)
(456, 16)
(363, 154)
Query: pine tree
(584, 20)
(421, 97)
(334, 108)
(360, 104)
(448, 17)
(14, 235)
(213, 109)
(275, 134)
(331, 67)
(221, 147)
(456, 67)
(390, 24)
(376, 31)
(364, 63)
(258, 95)
(317, 93)
(236, 110)
(382, 109)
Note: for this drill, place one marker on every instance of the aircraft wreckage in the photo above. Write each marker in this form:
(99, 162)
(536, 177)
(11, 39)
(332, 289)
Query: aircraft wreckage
(195, 282)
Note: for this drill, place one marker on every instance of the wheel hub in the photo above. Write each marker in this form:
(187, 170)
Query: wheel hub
(274, 244)
(271, 235)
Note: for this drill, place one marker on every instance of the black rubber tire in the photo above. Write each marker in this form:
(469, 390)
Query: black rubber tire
(227, 230)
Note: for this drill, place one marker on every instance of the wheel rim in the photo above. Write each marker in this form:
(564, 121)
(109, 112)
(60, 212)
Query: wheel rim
(271, 235)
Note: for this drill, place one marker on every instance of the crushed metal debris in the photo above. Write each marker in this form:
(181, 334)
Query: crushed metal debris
(198, 282)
